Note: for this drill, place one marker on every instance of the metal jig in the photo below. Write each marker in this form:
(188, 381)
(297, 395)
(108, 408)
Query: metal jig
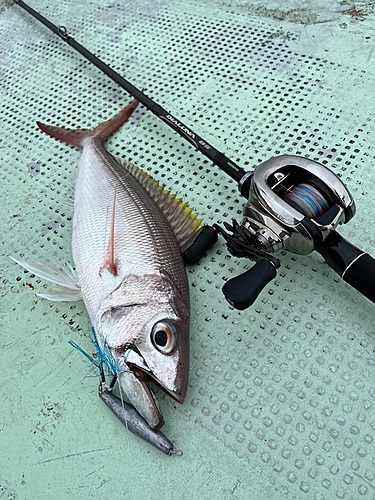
(133, 421)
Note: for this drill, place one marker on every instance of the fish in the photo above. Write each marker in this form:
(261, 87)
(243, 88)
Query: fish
(128, 237)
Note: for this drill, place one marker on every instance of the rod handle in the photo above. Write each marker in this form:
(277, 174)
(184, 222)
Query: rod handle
(242, 291)
(355, 267)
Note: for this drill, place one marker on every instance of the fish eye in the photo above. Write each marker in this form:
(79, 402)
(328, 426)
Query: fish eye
(164, 336)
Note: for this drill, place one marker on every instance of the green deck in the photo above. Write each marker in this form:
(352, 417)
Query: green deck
(281, 396)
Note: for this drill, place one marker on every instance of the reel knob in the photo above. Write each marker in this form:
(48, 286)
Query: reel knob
(242, 290)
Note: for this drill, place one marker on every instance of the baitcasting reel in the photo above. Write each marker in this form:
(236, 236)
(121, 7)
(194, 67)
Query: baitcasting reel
(294, 204)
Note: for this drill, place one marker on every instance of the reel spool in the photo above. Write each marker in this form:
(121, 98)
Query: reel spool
(308, 200)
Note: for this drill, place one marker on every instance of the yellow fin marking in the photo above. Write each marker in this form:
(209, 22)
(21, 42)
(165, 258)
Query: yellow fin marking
(181, 219)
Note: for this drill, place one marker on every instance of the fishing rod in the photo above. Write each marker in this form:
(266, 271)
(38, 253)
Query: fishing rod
(224, 163)
(294, 204)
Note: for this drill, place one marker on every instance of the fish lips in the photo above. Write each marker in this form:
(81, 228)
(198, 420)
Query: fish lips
(145, 376)
(136, 364)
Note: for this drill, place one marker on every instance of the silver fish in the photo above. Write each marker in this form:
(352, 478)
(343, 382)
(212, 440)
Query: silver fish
(127, 243)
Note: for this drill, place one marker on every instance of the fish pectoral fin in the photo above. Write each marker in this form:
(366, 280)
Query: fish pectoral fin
(64, 277)
(109, 261)
(61, 294)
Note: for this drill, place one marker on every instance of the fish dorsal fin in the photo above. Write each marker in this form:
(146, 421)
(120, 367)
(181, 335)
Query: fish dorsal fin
(183, 222)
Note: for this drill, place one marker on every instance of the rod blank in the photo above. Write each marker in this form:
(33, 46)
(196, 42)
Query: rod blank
(224, 163)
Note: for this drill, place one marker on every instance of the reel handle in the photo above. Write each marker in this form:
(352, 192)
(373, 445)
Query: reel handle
(355, 267)
(242, 290)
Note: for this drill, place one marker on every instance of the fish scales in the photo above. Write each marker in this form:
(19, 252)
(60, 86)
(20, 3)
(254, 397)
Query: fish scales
(144, 240)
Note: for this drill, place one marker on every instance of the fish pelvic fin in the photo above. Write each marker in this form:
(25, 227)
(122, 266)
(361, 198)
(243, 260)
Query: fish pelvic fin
(102, 131)
(183, 222)
(64, 277)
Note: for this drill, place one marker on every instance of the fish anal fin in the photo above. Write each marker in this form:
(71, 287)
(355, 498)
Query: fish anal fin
(180, 218)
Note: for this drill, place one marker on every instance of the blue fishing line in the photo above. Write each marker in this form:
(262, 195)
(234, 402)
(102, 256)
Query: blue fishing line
(136, 343)
(317, 198)
(309, 200)
(105, 355)
(84, 353)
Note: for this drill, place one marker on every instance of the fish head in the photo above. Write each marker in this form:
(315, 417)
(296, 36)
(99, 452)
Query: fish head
(150, 343)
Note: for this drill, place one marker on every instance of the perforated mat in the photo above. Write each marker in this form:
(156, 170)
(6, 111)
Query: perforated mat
(281, 396)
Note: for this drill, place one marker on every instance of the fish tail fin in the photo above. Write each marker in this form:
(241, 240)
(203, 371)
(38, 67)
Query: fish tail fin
(102, 131)
(75, 137)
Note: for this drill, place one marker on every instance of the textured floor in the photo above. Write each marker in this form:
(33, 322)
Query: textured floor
(281, 396)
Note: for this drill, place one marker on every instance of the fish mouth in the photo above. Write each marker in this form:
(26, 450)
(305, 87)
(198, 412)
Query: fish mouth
(141, 372)
(145, 377)
(136, 378)
(142, 376)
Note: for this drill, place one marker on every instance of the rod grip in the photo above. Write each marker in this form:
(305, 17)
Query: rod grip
(242, 290)
(361, 276)
(352, 264)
